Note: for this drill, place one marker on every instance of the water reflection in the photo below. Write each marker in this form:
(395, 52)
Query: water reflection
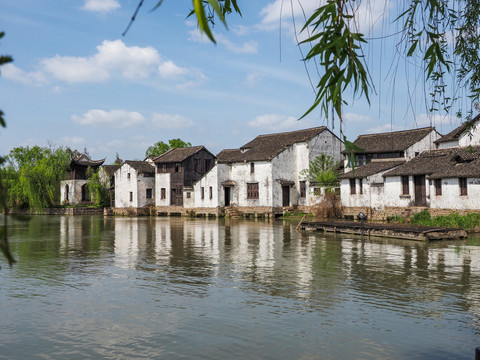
(239, 286)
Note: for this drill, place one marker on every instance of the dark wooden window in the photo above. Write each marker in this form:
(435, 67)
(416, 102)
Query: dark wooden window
(252, 168)
(189, 195)
(303, 189)
(462, 182)
(131, 196)
(149, 193)
(163, 193)
(177, 167)
(438, 187)
(195, 165)
(203, 192)
(252, 190)
(353, 189)
(128, 175)
(405, 186)
(211, 193)
(317, 191)
(360, 186)
(208, 164)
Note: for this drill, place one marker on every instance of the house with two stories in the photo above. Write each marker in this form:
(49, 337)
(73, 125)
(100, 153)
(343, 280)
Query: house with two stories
(74, 189)
(362, 188)
(134, 184)
(265, 175)
(176, 169)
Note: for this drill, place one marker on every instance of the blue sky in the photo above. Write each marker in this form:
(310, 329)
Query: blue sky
(76, 81)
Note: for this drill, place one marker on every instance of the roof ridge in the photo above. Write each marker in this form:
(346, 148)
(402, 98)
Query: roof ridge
(397, 132)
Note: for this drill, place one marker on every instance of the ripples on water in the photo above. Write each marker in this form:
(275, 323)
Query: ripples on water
(169, 288)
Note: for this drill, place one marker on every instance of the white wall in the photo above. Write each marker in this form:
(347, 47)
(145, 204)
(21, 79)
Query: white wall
(209, 180)
(424, 144)
(393, 192)
(471, 138)
(240, 173)
(162, 180)
(449, 144)
(451, 198)
(124, 185)
(74, 191)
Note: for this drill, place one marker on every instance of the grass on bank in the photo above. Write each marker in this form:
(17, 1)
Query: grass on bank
(423, 218)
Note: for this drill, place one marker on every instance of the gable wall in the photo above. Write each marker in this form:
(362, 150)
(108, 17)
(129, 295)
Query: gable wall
(424, 144)
(470, 138)
(162, 180)
(125, 185)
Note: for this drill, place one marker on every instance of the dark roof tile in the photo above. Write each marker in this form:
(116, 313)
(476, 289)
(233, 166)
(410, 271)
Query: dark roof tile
(266, 147)
(373, 167)
(395, 141)
(178, 154)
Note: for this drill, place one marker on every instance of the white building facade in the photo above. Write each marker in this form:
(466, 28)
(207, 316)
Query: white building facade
(265, 175)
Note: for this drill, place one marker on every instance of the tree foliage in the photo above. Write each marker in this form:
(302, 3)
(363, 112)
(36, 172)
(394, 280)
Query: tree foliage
(99, 193)
(4, 247)
(161, 147)
(32, 176)
(323, 171)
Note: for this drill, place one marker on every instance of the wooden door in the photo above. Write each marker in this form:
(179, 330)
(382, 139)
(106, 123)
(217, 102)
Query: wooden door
(285, 195)
(420, 191)
(227, 195)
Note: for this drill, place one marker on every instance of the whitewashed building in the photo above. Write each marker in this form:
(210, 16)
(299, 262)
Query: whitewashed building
(177, 169)
(134, 187)
(467, 134)
(264, 175)
(443, 181)
(364, 187)
(74, 189)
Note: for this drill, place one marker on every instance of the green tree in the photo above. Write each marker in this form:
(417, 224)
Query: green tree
(323, 171)
(160, 147)
(99, 193)
(32, 176)
(4, 247)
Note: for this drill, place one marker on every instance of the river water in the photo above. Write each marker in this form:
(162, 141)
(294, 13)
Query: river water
(175, 288)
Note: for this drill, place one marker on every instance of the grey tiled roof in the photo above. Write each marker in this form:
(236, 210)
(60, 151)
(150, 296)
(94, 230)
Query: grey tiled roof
(390, 141)
(178, 154)
(266, 147)
(444, 163)
(141, 166)
(373, 167)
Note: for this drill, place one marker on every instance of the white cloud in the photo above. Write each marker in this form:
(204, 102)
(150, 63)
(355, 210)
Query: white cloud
(113, 118)
(357, 118)
(169, 70)
(436, 120)
(249, 47)
(111, 57)
(102, 6)
(383, 128)
(73, 140)
(35, 78)
(368, 14)
(274, 122)
(170, 121)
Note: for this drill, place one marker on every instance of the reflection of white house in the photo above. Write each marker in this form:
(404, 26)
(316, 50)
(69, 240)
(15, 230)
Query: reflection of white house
(364, 188)
(134, 186)
(264, 175)
(74, 190)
